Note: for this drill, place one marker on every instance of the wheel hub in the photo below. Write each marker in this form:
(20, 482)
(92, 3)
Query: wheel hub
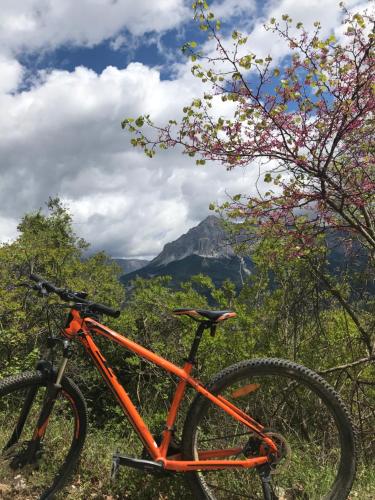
(255, 446)
(281, 458)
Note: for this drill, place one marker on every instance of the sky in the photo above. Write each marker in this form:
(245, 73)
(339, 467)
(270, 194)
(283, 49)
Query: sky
(72, 70)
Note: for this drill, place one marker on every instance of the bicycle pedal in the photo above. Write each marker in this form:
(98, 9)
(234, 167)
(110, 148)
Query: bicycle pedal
(148, 466)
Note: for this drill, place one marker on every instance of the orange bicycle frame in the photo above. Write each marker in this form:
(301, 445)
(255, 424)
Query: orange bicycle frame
(81, 328)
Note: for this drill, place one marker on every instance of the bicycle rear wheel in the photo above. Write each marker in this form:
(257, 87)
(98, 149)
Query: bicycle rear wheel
(301, 413)
(41, 474)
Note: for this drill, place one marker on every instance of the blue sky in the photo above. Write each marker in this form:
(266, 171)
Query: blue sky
(148, 50)
(71, 70)
(152, 48)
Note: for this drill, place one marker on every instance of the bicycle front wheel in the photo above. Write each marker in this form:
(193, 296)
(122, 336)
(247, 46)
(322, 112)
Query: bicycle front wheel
(42, 472)
(301, 413)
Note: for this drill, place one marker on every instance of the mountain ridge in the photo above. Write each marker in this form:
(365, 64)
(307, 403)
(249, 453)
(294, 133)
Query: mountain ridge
(129, 265)
(205, 248)
(207, 239)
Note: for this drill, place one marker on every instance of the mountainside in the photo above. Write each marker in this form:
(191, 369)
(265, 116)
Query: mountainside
(203, 249)
(218, 269)
(208, 239)
(129, 265)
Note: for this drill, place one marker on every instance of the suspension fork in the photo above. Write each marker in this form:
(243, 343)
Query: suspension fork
(52, 392)
(27, 404)
(46, 368)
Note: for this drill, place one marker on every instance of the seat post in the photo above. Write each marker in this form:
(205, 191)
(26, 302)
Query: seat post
(203, 325)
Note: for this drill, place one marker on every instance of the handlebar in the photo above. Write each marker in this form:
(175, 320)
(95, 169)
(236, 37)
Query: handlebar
(78, 297)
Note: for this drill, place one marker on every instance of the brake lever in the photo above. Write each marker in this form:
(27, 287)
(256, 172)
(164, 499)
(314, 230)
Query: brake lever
(10, 288)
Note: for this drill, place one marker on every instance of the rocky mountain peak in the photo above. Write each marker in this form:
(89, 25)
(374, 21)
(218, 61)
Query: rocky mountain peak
(208, 239)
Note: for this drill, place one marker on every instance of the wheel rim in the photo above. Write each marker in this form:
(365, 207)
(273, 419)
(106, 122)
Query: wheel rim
(298, 417)
(31, 480)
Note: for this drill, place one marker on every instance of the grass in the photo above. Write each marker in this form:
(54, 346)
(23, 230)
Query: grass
(92, 480)
(93, 476)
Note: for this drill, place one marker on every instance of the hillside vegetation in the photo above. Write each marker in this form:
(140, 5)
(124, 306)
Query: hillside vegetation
(296, 318)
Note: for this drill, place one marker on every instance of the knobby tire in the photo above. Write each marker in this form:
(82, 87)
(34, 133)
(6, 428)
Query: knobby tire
(299, 409)
(61, 446)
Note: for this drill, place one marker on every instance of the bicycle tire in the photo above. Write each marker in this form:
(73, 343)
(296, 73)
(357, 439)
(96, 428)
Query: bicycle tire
(318, 460)
(61, 445)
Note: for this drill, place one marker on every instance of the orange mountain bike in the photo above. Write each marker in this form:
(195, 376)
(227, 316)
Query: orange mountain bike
(261, 429)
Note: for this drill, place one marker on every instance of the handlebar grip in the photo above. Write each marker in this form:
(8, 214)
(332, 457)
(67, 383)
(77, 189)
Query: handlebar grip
(76, 297)
(100, 308)
(49, 286)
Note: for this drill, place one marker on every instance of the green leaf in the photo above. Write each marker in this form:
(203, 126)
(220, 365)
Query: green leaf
(268, 177)
(331, 39)
(360, 20)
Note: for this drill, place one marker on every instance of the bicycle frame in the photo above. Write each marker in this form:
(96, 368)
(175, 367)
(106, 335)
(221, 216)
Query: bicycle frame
(82, 328)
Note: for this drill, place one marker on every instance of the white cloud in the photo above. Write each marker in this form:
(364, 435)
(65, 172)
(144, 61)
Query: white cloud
(8, 229)
(263, 43)
(225, 9)
(63, 137)
(45, 24)
(10, 74)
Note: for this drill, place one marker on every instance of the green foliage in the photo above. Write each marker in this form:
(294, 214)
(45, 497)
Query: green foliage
(48, 246)
(282, 311)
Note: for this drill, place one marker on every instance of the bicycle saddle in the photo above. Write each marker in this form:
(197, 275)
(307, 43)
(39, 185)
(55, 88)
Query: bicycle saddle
(214, 316)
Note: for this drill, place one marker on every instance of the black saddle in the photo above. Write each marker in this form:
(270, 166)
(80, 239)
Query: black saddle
(214, 316)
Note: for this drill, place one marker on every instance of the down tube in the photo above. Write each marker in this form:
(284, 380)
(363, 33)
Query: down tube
(122, 397)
